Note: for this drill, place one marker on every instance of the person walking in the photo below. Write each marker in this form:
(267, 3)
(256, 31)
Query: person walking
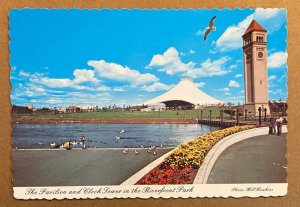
(279, 125)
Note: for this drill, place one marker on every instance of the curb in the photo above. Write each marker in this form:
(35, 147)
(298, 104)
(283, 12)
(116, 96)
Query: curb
(137, 176)
(222, 145)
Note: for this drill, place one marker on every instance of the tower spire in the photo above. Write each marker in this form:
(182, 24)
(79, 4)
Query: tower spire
(254, 26)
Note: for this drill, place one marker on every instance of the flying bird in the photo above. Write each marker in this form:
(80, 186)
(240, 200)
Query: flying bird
(210, 27)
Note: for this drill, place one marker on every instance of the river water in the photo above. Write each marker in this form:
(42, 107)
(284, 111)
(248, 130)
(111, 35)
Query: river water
(104, 135)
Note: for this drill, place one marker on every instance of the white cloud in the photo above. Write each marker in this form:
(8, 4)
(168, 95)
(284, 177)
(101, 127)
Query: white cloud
(223, 89)
(169, 62)
(233, 83)
(192, 52)
(209, 68)
(118, 72)
(277, 59)
(242, 91)
(272, 77)
(156, 87)
(227, 94)
(271, 19)
(276, 92)
(232, 67)
(83, 75)
(200, 84)
(200, 32)
(238, 75)
(281, 78)
(56, 82)
(100, 88)
(182, 54)
(24, 74)
(118, 89)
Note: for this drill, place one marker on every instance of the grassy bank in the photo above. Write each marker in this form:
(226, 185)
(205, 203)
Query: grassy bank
(179, 114)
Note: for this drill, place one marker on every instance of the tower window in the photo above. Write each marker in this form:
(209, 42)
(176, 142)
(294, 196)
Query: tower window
(260, 82)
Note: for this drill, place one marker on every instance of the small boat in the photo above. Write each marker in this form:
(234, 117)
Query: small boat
(122, 131)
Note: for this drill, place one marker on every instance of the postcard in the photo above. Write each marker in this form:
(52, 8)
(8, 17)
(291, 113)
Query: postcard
(141, 103)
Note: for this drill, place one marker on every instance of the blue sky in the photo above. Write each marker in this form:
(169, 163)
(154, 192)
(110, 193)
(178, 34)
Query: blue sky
(105, 57)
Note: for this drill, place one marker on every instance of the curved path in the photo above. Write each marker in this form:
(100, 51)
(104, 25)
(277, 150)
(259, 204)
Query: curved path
(260, 159)
(222, 145)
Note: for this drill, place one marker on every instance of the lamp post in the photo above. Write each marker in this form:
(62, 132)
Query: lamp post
(237, 116)
(265, 118)
(209, 115)
(259, 115)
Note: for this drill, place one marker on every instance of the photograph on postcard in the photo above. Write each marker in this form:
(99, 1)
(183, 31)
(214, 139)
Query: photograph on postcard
(125, 103)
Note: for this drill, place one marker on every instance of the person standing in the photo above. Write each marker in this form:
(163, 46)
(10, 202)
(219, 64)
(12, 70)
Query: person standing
(82, 139)
(272, 128)
(279, 125)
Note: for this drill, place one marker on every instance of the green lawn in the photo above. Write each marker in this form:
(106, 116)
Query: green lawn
(194, 114)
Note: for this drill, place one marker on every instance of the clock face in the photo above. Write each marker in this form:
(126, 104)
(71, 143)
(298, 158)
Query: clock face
(248, 56)
(260, 54)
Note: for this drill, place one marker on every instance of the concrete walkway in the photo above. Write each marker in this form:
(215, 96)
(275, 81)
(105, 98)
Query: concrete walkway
(260, 159)
(78, 167)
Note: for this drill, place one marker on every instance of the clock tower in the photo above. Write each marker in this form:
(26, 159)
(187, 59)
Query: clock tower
(255, 69)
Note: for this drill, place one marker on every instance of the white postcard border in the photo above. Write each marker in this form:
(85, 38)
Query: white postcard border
(154, 191)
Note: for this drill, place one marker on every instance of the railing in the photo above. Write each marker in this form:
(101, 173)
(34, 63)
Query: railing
(236, 118)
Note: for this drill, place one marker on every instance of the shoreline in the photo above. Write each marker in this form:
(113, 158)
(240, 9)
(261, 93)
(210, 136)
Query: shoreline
(103, 121)
(91, 149)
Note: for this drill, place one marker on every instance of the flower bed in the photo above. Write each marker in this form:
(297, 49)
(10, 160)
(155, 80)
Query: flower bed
(182, 165)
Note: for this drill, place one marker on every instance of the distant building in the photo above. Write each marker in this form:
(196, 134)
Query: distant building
(62, 110)
(90, 108)
(73, 109)
(278, 107)
(29, 106)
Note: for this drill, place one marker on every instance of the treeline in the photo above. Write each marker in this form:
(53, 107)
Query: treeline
(26, 110)
(21, 109)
